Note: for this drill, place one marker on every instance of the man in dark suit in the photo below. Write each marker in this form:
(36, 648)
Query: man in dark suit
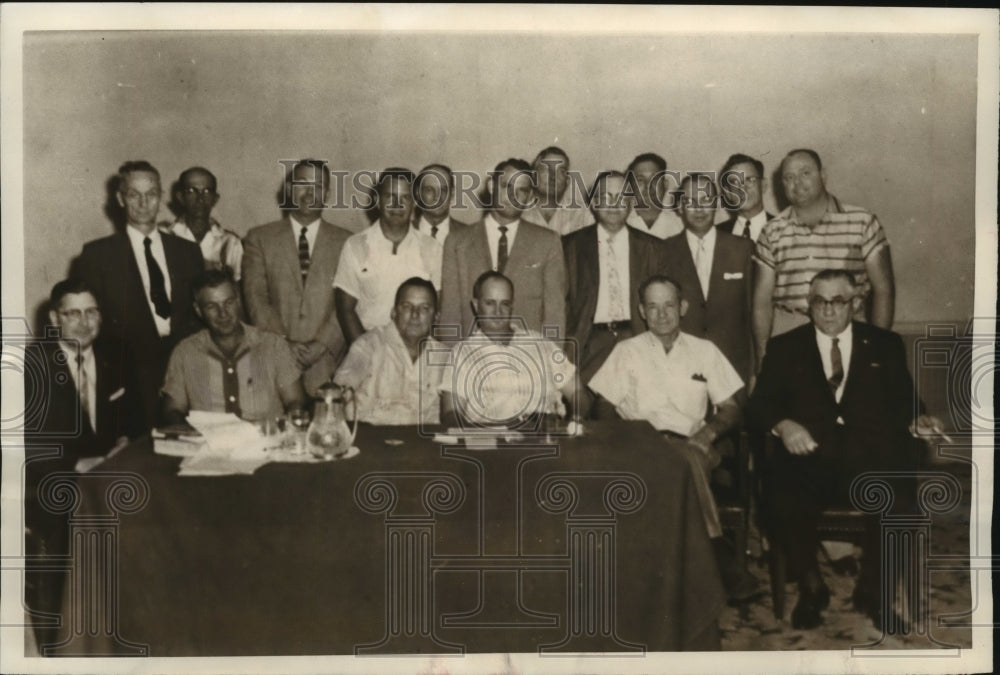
(529, 255)
(838, 396)
(605, 265)
(288, 271)
(85, 388)
(743, 185)
(714, 269)
(142, 278)
(432, 192)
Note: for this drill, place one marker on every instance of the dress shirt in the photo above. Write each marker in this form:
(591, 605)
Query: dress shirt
(667, 224)
(604, 312)
(567, 216)
(444, 227)
(371, 272)
(220, 248)
(825, 343)
(493, 237)
(89, 366)
(757, 224)
(705, 271)
(136, 237)
(312, 229)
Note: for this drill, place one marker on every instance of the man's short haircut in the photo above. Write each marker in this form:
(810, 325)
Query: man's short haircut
(658, 279)
(197, 169)
(833, 275)
(212, 278)
(435, 169)
(602, 177)
(320, 163)
(699, 176)
(70, 286)
(135, 166)
(416, 282)
(394, 173)
(477, 288)
(551, 150)
(740, 158)
(804, 151)
(661, 164)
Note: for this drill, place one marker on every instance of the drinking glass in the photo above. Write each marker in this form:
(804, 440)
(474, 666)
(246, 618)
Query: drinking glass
(300, 419)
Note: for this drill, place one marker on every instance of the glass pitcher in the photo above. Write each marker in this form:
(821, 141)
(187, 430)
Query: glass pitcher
(329, 436)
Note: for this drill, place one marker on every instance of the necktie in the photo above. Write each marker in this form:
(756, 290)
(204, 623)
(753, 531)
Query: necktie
(83, 384)
(615, 299)
(303, 254)
(746, 230)
(836, 366)
(701, 264)
(502, 250)
(434, 231)
(157, 289)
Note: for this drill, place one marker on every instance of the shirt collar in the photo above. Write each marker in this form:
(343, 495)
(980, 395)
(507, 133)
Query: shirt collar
(311, 227)
(843, 337)
(491, 223)
(137, 237)
(424, 223)
(249, 340)
(693, 239)
(71, 354)
(603, 233)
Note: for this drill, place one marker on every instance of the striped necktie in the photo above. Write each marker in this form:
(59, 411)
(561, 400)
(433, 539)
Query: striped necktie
(502, 250)
(303, 253)
(836, 366)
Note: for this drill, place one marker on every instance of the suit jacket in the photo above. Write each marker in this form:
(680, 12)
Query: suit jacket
(583, 274)
(725, 317)
(279, 302)
(109, 265)
(877, 405)
(535, 265)
(728, 225)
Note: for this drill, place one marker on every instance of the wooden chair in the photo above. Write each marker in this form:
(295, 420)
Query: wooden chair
(733, 488)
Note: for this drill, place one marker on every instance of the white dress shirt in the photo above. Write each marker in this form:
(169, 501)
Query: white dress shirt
(702, 260)
(604, 313)
(825, 343)
(89, 366)
(757, 224)
(667, 224)
(493, 237)
(312, 229)
(443, 228)
(136, 238)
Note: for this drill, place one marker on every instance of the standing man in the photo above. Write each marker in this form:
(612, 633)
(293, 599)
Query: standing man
(714, 268)
(558, 206)
(529, 255)
(196, 195)
(605, 264)
(648, 173)
(743, 185)
(288, 271)
(142, 279)
(838, 396)
(433, 191)
(816, 232)
(377, 260)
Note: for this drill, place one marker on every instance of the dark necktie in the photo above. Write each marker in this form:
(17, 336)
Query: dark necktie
(434, 231)
(157, 288)
(303, 254)
(746, 230)
(502, 250)
(837, 366)
(83, 384)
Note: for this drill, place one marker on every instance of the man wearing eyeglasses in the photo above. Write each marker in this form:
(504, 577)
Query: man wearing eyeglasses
(817, 231)
(142, 278)
(839, 398)
(195, 196)
(743, 185)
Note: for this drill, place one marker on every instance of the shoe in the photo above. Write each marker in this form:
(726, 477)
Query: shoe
(846, 566)
(806, 614)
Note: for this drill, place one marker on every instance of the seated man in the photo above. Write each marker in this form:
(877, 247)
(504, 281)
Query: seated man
(503, 374)
(384, 364)
(668, 378)
(840, 399)
(229, 366)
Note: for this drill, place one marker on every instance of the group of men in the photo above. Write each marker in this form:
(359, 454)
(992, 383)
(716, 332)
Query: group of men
(623, 305)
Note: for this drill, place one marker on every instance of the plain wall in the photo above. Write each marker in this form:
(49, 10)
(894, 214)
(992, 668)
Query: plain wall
(893, 117)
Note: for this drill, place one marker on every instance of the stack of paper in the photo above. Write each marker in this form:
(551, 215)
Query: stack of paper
(230, 446)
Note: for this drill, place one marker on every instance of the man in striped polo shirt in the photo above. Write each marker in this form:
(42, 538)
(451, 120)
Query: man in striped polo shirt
(814, 233)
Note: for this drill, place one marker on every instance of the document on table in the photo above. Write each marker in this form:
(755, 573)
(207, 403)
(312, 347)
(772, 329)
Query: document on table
(229, 446)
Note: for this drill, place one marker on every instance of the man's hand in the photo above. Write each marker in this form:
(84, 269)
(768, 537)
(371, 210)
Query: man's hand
(795, 437)
(928, 425)
(307, 353)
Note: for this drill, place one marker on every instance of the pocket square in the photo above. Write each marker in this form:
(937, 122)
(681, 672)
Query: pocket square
(732, 275)
(876, 364)
(698, 377)
(117, 395)
(533, 265)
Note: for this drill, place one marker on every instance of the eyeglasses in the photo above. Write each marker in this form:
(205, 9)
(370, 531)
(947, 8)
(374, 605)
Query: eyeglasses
(202, 192)
(838, 302)
(75, 315)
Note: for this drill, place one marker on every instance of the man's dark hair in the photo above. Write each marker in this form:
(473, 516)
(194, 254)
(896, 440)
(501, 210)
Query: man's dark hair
(393, 173)
(692, 176)
(477, 288)
(318, 163)
(197, 169)
(435, 169)
(601, 178)
(805, 151)
(510, 163)
(658, 279)
(832, 275)
(135, 166)
(661, 164)
(212, 278)
(740, 158)
(70, 286)
(416, 282)
(551, 150)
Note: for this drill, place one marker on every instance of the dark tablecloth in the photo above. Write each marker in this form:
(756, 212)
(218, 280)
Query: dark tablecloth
(293, 559)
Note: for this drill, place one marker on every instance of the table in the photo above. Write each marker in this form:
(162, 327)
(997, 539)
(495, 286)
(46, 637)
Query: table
(586, 544)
